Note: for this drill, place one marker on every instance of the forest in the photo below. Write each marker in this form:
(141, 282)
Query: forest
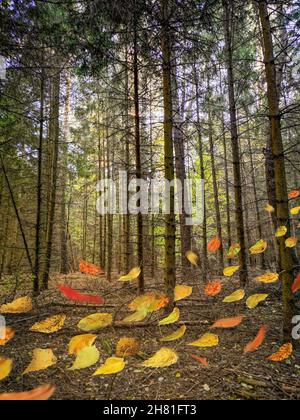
(149, 200)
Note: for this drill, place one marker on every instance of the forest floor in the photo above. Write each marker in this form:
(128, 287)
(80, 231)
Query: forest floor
(230, 376)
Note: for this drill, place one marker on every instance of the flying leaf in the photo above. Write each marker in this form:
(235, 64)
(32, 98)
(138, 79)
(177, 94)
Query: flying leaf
(41, 360)
(254, 300)
(95, 322)
(284, 353)
(137, 316)
(200, 360)
(214, 245)
(228, 322)
(90, 269)
(213, 289)
(175, 335)
(42, 393)
(133, 275)
(259, 247)
(230, 271)
(76, 296)
(111, 366)
(269, 208)
(296, 285)
(163, 358)
(149, 302)
(235, 297)
(294, 194)
(49, 325)
(193, 258)
(86, 357)
(291, 242)
(9, 333)
(234, 250)
(5, 367)
(78, 342)
(295, 211)
(181, 292)
(208, 340)
(257, 342)
(127, 347)
(172, 318)
(18, 306)
(268, 278)
(281, 231)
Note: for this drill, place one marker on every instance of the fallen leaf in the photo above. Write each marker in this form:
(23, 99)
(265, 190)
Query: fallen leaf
(127, 347)
(192, 258)
(200, 360)
(208, 340)
(175, 335)
(214, 245)
(5, 367)
(259, 248)
(133, 275)
(163, 358)
(254, 300)
(90, 269)
(257, 342)
(182, 292)
(268, 278)
(18, 306)
(49, 325)
(9, 333)
(95, 322)
(234, 251)
(291, 242)
(296, 285)
(78, 342)
(42, 393)
(281, 231)
(228, 322)
(86, 357)
(283, 353)
(111, 366)
(76, 296)
(213, 288)
(230, 271)
(41, 360)
(172, 318)
(235, 297)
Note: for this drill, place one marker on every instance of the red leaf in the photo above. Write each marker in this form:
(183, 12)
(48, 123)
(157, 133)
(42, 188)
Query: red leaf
(72, 294)
(91, 269)
(294, 194)
(214, 245)
(296, 285)
(257, 342)
(201, 360)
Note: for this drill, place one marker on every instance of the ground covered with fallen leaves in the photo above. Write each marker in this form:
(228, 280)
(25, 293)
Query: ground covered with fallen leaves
(230, 374)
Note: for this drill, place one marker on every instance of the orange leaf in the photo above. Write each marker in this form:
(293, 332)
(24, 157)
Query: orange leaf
(213, 288)
(214, 244)
(201, 360)
(91, 269)
(42, 393)
(228, 322)
(294, 194)
(257, 342)
(296, 285)
(9, 334)
(283, 353)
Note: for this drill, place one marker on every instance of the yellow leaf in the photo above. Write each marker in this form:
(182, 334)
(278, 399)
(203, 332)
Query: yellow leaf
(80, 341)
(291, 242)
(136, 316)
(172, 318)
(269, 208)
(193, 258)
(5, 367)
(163, 358)
(235, 297)
(49, 325)
(41, 359)
(268, 278)
(149, 302)
(230, 271)
(284, 353)
(18, 306)
(254, 300)
(295, 211)
(281, 231)
(86, 357)
(175, 335)
(133, 275)
(259, 247)
(95, 322)
(206, 341)
(127, 347)
(111, 366)
(182, 292)
(234, 250)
